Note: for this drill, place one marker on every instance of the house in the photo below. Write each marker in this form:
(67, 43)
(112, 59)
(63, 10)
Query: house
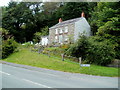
(68, 31)
(44, 40)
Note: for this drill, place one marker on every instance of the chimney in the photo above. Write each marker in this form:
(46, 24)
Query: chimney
(82, 14)
(60, 20)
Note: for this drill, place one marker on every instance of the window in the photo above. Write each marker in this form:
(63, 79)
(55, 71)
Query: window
(61, 30)
(65, 38)
(56, 38)
(66, 29)
(60, 39)
(56, 31)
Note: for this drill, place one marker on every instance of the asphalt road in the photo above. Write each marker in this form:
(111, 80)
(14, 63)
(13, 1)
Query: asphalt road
(17, 77)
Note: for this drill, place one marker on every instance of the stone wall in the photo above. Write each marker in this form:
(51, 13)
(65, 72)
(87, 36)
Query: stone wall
(71, 28)
(51, 36)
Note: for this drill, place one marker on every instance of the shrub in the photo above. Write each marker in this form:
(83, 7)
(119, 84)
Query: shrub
(54, 50)
(100, 53)
(65, 46)
(79, 48)
(8, 47)
(95, 50)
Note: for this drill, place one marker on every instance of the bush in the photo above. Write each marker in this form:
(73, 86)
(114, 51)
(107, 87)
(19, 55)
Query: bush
(8, 47)
(79, 48)
(95, 50)
(54, 51)
(100, 53)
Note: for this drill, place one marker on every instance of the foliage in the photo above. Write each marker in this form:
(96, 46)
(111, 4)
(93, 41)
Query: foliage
(27, 44)
(45, 31)
(65, 46)
(38, 35)
(19, 20)
(8, 47)
(105, 18)
(54, 51)
(73, 9)
(95, 50)
(79, 48)
(5, 34)
(105, 23)
(100, 52)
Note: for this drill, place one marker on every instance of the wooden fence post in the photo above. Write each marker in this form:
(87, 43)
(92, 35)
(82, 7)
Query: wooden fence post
(48, 54)
(31, 49)
(62, 57)
(80, 60)
(39, 50)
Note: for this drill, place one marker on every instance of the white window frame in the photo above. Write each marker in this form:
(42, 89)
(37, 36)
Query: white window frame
(56, 31)
(65, 38)
(66, 29)
(61, 39)
(56, 38)
(61, 31)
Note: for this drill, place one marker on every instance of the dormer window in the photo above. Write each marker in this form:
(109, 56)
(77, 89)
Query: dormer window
(66, 29)
(61, 30)
(56, 31)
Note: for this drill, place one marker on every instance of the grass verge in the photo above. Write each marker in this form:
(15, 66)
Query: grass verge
(24, 56)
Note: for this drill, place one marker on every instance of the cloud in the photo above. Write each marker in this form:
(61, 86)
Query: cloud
(4, 2)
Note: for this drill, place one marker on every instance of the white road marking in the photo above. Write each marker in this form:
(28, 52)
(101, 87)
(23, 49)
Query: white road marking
(37, 83)
(37, 71)
(4, 73)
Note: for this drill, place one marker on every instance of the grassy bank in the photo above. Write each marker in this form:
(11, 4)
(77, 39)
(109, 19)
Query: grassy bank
(24, 56)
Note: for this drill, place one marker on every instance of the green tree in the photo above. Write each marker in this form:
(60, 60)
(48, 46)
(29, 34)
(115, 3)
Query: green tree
(79, 48)
(19, 19)
(105, 22)
(8, 45)
(105, 18)
(73, 10)
(38, 35)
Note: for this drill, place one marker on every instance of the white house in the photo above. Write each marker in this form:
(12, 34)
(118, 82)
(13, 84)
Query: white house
(61, 32)
(44, 40)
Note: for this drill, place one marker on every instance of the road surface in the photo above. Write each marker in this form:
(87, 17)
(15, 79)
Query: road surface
(18, 77)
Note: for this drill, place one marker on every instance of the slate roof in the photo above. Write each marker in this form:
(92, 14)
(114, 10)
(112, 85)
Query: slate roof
(65, 22)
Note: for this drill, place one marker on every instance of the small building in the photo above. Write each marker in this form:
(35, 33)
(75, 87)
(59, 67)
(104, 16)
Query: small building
(69, 30)
(44, 40)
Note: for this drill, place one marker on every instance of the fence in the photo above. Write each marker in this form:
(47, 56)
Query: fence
(54, 54)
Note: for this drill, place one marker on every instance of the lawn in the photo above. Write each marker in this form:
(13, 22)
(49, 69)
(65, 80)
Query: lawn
(26, 57)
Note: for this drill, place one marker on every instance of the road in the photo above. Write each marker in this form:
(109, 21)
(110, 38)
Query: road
(17, 77)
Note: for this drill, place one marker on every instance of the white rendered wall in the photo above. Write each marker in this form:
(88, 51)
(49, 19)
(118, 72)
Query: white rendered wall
(44, 41)
(81, 26)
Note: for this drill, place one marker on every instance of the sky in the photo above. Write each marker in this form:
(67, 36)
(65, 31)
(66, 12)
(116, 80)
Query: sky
(5, 2)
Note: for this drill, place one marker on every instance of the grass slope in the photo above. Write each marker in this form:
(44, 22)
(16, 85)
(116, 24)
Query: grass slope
(24, 56)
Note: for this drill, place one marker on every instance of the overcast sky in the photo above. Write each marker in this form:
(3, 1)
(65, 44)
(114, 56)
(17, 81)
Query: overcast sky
(5, 2)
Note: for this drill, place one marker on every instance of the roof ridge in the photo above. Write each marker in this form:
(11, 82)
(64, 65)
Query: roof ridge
(66, 22)
(70, 19)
